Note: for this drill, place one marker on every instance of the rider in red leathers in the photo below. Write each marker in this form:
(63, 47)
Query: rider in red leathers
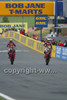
(48, 47)
(11, 45)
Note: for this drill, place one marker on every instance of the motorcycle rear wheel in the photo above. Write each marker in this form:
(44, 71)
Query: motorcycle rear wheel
(47, 61)
(12, 62)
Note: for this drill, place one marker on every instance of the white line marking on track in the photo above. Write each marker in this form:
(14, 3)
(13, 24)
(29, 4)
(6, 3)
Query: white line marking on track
(22, 50)
(4, 51)
(6, 97)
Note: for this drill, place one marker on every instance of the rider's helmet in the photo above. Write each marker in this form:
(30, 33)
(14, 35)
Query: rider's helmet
(10, 40)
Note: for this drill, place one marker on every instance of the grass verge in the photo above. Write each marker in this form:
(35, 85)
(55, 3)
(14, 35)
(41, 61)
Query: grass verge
(1, 98)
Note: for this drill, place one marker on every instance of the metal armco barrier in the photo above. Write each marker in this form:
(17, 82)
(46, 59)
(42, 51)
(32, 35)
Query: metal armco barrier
(57, 52)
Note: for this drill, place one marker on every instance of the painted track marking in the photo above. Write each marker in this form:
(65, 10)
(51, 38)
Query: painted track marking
(4, 51)
(6, 97)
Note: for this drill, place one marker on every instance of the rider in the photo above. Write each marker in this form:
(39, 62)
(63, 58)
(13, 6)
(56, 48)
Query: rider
(48, 47)
(11, 44)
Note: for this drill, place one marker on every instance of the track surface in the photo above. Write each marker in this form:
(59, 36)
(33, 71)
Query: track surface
(33, 86)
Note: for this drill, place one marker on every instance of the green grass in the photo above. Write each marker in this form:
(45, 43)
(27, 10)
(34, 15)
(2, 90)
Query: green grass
(1, 98)
(29, 19)
(19, 19)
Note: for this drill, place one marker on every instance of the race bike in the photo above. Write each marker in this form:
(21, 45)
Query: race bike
(11, 53)
(47, 56)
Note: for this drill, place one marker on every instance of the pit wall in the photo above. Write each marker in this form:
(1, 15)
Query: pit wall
(57, 52)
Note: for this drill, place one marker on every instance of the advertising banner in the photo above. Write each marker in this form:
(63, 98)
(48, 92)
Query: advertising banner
(4, 26)
(41, 20)
(61, 53)
(53, 51)
(27, 8)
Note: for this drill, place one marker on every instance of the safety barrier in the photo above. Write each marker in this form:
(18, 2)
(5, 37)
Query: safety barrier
(29, 42)
(57, 52)
(61, 53)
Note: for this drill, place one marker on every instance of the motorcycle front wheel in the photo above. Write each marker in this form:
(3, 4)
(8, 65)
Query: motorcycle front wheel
(47, 61)
(12, 61)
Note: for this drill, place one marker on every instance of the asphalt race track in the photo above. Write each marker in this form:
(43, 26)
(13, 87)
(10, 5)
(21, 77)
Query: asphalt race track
(36, 85)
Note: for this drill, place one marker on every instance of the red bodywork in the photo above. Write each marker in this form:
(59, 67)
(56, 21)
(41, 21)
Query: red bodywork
(48, 56)
(12, 55)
